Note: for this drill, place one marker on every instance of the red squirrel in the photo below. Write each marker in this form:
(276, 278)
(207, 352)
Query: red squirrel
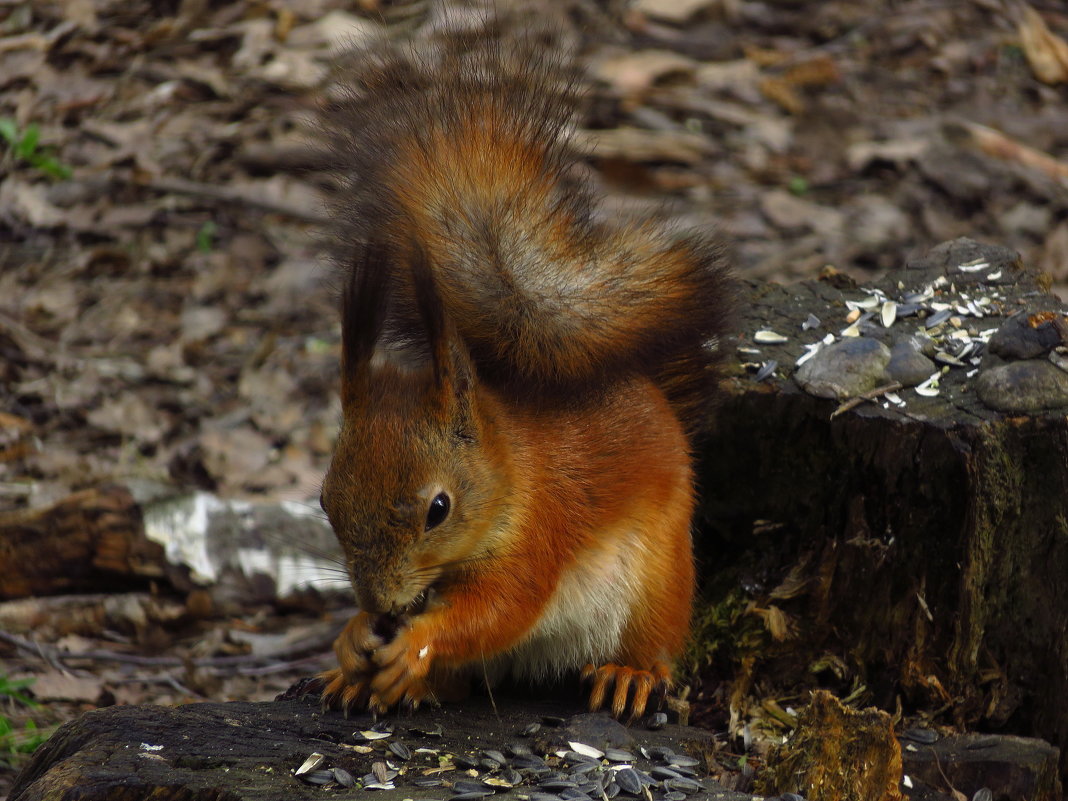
(512, 483)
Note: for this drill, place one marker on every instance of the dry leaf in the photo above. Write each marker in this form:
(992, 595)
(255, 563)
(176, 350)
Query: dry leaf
(634, 73)
(1046, 53)
(675, 11)
(781, 91)
(54, 686)
(635, 144)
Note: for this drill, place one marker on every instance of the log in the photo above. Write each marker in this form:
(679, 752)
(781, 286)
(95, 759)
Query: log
(91, 539)
(251, 750)
(922, 545)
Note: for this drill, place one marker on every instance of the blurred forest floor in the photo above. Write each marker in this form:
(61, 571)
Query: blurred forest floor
(165, 313)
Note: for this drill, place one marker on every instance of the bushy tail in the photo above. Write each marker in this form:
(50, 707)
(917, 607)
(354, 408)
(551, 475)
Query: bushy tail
(464, 157)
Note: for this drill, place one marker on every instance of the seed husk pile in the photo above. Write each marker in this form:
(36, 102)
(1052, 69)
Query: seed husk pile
(576, 773)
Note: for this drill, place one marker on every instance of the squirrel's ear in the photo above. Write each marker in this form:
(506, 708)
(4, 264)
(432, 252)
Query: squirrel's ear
(454, 373)
(363, 310)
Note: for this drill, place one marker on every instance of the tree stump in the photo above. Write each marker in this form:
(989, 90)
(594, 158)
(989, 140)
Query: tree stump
(924, 544)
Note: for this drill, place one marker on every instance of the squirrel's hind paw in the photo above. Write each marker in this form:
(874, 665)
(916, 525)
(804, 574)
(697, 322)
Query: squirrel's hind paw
(625, 679)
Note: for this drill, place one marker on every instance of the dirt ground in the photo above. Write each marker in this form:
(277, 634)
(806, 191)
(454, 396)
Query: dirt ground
(165, 313)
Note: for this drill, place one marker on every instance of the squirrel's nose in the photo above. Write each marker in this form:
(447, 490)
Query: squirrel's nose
(371, 602)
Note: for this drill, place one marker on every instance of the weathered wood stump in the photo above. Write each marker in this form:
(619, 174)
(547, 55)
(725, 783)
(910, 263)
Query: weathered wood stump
(924, 543)
(252, 751)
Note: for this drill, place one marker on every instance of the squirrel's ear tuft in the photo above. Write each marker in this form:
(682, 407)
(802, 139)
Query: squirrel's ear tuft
(363, 310)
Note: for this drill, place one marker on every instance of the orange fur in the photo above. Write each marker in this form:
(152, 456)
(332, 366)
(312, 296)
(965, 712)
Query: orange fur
(537, 372)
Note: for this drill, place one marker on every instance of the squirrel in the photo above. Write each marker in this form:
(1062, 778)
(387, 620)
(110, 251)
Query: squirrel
(521, 383)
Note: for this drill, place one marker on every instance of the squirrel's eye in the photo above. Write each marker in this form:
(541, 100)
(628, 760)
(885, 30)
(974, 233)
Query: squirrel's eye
(438, 511)
(321, 504)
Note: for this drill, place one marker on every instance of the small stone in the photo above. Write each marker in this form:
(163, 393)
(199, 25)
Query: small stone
(845, 369)
(908, 365)
(1017, 338)
(1025, 386)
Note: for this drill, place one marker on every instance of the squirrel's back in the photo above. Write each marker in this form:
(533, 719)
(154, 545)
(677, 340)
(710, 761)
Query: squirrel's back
(461, 160)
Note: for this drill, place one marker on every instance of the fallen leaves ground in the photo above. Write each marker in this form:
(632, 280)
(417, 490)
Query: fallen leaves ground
(164, 310)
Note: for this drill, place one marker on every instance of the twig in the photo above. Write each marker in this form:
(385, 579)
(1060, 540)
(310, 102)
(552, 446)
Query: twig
(871, 395)
(183, 186)
(996, 144)
(52, 654)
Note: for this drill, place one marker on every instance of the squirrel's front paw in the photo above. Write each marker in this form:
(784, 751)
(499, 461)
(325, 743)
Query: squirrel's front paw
(347, 686)
(624, 678)
(401, 666)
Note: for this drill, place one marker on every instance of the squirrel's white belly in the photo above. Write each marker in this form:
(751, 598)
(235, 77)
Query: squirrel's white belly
(586, 616)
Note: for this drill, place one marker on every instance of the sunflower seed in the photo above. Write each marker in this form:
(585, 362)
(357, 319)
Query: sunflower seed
(769, 337)
(574, 794)
(662, 772)
(473, 795)
(531, 729)
(586, 750)
(766, 370)
(582, 768)
(684, 784)
(426, 781)
(888, 313)
(527, 761)
(513, 777)
(318, 777)
(937, 318)
(310, 764)
(557, 784)
(379, 786)
(920, 735)
(343, 777)
(629, 781)
(983, 794)
(674, 795)
(370, 734)
(400, 750)
(496, 756)
(656, 721)
(682, 760)
(382, 772)
(466, 786)
(618, 755)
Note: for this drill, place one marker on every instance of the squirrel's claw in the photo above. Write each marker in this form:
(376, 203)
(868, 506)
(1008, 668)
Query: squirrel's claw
(342, 693)
(348, 686)
(622, 679)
